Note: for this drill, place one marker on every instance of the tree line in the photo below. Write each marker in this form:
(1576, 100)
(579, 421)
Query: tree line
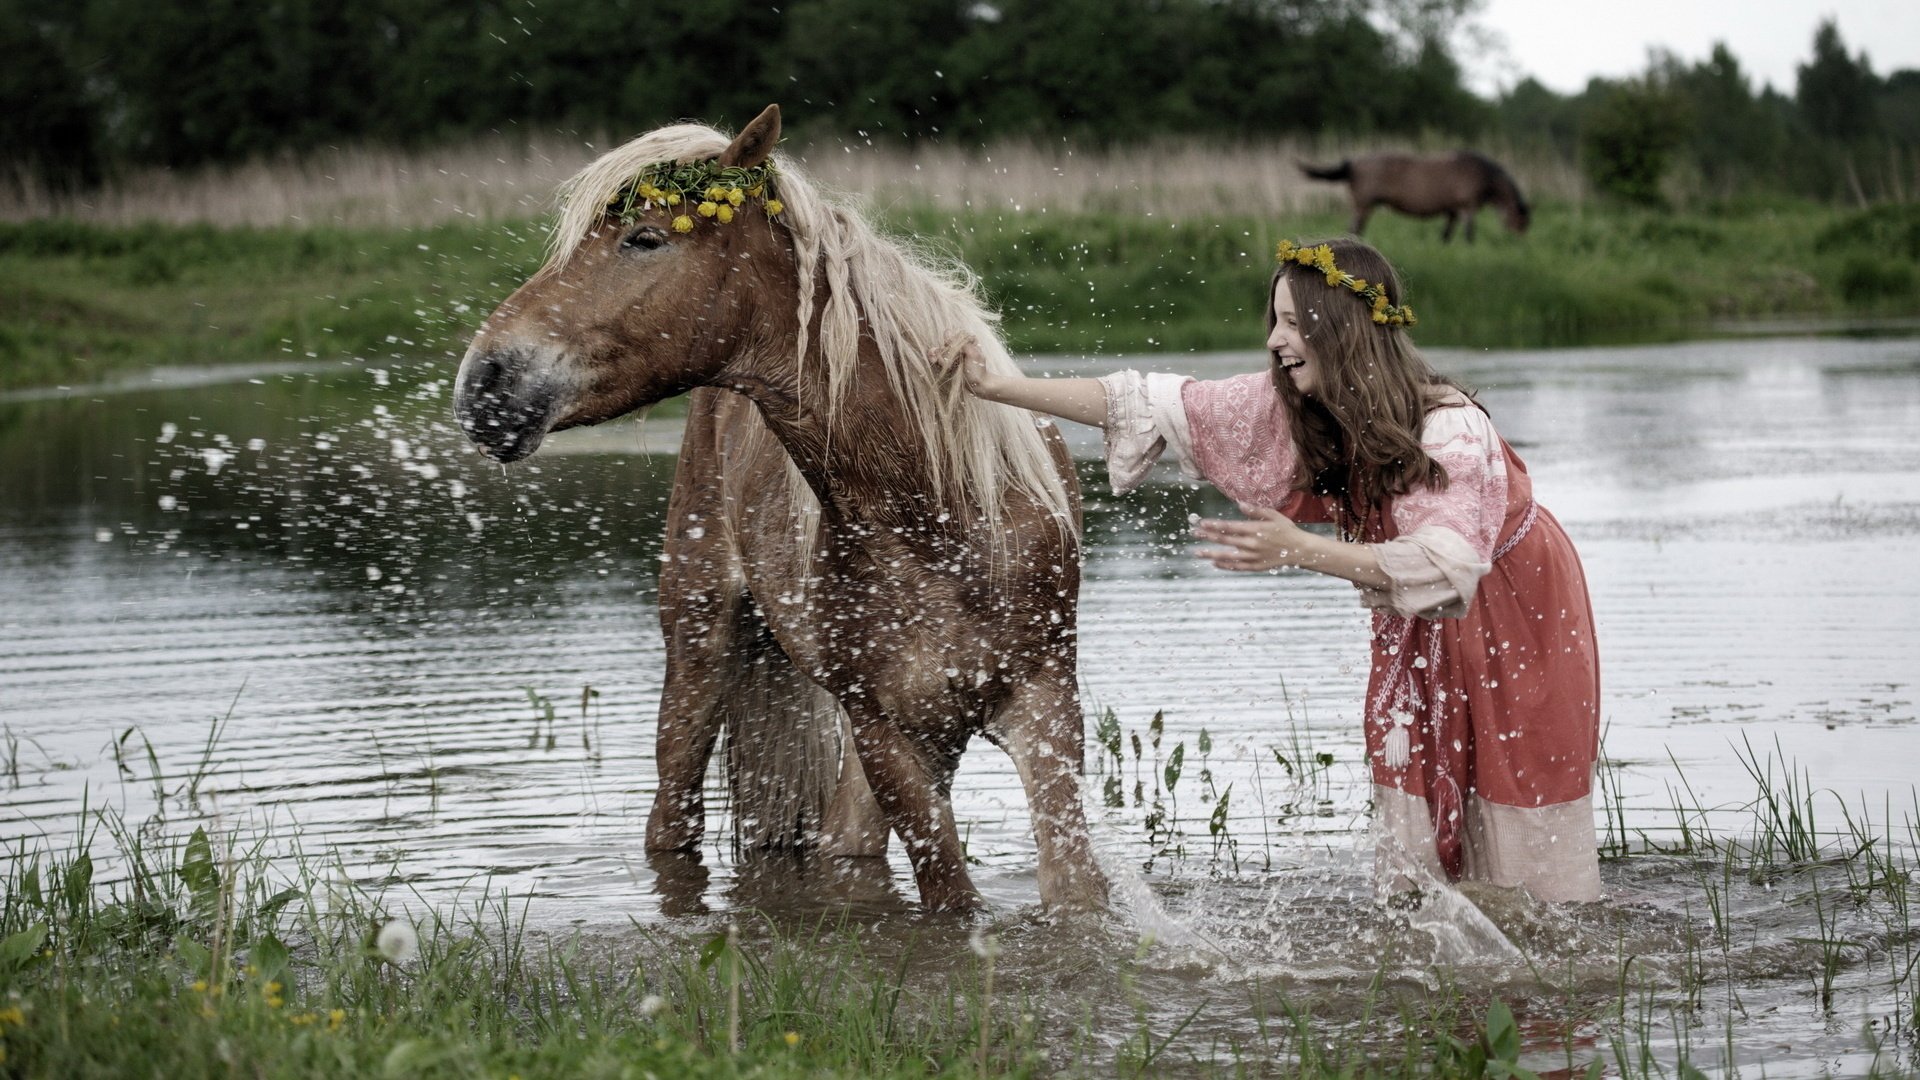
(95, 86)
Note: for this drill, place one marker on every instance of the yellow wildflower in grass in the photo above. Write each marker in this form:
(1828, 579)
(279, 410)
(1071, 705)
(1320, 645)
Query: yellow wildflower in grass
(736, 196)
(708, 208)
(200, 986)
(724, 214)
(683, 223)
(270, 993)
(13, 1015)
(793, 1038)
(335, 1018)
(774, 206)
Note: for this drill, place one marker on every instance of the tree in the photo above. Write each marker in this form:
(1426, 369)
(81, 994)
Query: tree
(1835, 92)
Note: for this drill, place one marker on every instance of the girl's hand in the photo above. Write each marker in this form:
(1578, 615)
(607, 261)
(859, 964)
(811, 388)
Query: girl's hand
(1267, 541)
(960, 355)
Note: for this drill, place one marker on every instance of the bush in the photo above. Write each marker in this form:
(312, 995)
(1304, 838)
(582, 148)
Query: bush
(1629, 141)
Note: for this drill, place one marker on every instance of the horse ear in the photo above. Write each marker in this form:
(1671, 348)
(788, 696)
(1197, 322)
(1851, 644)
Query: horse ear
(755, 142)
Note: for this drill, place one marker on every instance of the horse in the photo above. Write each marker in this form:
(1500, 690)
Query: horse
(864, 565)
(1456, 184)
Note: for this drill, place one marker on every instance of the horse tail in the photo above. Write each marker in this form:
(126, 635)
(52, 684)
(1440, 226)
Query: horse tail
(783, 741)
(1342, 171)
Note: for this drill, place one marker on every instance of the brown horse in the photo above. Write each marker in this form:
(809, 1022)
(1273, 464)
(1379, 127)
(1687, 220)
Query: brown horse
(1456, 184)
(849, 531)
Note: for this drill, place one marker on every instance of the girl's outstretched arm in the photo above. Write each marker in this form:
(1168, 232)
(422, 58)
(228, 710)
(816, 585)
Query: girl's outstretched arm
(1084, 401)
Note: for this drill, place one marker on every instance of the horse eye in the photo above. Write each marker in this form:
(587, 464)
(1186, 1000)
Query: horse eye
(645, 238)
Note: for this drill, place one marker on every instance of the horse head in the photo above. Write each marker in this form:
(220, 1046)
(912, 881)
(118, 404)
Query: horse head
(640, 300)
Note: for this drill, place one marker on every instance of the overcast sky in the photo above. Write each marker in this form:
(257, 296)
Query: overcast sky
(1563, 43)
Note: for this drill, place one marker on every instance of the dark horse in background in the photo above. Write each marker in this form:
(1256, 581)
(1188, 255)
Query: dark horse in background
(1456, 184)
(865, 566)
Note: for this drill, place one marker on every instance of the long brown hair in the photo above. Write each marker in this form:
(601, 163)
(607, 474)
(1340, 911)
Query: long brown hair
(1358, 436)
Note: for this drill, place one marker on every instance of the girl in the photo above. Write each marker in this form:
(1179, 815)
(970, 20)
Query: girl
(1482, 707)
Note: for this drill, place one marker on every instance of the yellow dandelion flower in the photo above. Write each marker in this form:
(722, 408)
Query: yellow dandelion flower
(1380, 317)
(724, 213)
(793, 1038)
(1358, 284)
(708, 208)
(736, 196)
(335, 1018)
(673, 198)
(1337, 277)
(13, 1015)
(683, 223)
(756, 191)
(199, 986)
(716, 193)
(774, 206)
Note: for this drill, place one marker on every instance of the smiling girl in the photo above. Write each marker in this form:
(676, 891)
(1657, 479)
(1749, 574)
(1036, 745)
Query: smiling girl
(1482, 706)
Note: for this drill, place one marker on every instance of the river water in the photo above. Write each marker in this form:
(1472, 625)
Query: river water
(305, 600)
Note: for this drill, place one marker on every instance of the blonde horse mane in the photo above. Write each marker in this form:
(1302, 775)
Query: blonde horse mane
(911, 300)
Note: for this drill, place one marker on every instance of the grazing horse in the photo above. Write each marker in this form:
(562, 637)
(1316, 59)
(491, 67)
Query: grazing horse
(1456, 184)
(864, 565)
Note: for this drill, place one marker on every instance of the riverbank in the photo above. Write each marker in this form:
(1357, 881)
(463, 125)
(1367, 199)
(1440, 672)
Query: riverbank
(82, 303)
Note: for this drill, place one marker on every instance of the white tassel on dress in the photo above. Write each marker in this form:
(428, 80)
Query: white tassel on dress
(1399, 743)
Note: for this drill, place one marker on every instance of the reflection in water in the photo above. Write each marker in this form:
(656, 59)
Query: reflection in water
(449, 670)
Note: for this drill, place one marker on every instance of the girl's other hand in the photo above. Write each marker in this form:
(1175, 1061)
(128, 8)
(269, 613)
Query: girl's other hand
(1268, 540)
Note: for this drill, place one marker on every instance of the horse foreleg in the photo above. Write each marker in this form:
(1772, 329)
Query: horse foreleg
(1360, 215)
(915, 803)
(1040, 729)
(1453, 218)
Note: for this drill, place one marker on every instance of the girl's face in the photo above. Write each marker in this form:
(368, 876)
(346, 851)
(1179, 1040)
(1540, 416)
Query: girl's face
(1287, 345)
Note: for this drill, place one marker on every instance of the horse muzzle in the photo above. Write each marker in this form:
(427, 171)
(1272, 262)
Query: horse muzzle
(503, 403)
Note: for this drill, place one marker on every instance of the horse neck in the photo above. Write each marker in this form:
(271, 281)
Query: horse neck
(864, 456)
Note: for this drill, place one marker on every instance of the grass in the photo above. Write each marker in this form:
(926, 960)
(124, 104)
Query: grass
(180, 949)
(81, 303)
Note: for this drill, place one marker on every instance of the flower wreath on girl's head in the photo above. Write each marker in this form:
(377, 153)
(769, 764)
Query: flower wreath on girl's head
(706, 188)
(1320, 257)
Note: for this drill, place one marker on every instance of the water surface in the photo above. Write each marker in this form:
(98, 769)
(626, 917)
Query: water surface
(316, 610)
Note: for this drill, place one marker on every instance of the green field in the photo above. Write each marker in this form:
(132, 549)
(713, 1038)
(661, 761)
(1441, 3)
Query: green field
(81, 303)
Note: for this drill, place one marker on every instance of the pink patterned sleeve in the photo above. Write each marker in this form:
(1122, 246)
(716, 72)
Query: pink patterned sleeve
(1446, 538)
(1242, 442)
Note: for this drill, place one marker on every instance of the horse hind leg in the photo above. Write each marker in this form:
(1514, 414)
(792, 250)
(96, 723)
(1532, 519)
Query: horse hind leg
(1040, 728)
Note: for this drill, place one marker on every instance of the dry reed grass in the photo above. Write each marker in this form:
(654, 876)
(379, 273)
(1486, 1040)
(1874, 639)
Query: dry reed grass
(500, 179)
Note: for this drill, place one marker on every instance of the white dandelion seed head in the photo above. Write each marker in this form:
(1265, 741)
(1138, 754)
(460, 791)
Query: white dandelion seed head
(397, 941)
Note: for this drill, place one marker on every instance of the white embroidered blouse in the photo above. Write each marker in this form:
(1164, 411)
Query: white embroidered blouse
(1446, 538)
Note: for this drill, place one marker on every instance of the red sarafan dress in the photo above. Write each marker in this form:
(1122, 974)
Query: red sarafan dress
(1483, 704)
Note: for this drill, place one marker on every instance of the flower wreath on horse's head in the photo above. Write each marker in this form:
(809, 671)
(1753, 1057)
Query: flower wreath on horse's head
(714, 190)
(1320, 258)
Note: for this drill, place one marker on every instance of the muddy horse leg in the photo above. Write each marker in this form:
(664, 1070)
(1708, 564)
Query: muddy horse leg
(910, 781)
(1040, 728)
(690, 721)
(701, 595)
